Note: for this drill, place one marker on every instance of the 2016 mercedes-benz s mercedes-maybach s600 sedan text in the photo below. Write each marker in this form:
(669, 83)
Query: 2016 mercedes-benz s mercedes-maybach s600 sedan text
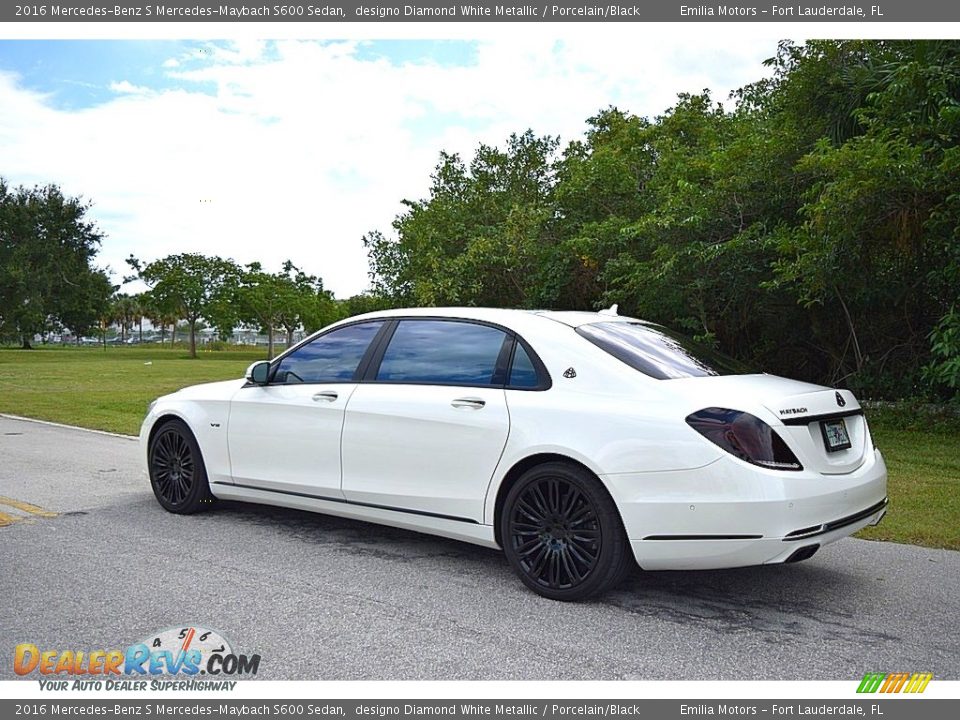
(576, 442)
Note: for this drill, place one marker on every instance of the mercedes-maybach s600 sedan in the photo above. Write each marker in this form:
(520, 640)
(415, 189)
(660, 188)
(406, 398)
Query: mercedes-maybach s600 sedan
(577, 442)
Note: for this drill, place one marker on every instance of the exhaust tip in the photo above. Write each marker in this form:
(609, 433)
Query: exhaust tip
(804, 553)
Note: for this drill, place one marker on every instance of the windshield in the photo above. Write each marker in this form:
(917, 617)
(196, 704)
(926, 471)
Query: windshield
(658, 352)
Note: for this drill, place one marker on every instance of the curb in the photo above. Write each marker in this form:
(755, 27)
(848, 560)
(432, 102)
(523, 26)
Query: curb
(67, 427)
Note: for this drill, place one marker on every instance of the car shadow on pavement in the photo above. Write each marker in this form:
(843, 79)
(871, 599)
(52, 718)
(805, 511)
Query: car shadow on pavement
(363, 537)
(778, 601)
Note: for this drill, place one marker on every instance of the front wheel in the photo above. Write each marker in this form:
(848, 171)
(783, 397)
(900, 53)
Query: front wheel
(177, 473)
(562, 533)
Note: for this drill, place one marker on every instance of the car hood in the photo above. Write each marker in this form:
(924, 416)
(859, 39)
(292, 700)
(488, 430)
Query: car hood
(223, 390)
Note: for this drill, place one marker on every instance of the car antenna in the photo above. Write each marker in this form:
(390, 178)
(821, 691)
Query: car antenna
(612, 310)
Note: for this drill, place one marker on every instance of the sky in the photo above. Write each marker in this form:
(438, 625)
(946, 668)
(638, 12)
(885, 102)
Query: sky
(294, 149)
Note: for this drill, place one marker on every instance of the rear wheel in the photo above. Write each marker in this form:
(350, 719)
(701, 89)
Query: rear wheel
(562, 533)
(177, 473)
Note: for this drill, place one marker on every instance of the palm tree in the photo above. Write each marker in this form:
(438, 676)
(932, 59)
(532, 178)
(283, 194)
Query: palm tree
(158, 316)
(139, 302)
(123, 311)
(106, 319)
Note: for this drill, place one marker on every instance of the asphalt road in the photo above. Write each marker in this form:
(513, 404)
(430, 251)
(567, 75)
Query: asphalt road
(323, 598)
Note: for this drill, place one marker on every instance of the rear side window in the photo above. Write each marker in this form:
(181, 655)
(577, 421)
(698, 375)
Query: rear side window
(658, 352)
(522, 372)
(442, 352)
(332, 357)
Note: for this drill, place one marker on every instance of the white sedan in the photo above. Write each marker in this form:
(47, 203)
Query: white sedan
(576, 442)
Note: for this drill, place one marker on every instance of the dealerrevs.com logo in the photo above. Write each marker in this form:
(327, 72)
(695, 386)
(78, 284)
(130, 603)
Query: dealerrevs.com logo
(172, 659)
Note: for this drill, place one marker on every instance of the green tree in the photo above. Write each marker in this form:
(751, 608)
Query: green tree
(288, 299)
(140, 309)
(91, 302)
(125, 311)
(263, 298)
(161, 313)
(192, 285)
(944, 367)
(47, 247)
(876, 246)
(811, 226)
(477, 239)
(357, 305)
(309, 304)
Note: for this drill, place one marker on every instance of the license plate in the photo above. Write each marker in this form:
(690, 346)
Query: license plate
(835, 435)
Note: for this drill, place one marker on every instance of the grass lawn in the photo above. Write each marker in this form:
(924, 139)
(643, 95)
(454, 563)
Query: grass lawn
(106, 389)
(110, 390)
(922, 453)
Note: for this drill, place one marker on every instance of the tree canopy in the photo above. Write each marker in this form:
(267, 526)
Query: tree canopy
(287, 299)
(47, 275)
(192, 286)
(809, 227)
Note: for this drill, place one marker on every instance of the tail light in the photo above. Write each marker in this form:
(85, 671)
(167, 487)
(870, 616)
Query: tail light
(745, 436)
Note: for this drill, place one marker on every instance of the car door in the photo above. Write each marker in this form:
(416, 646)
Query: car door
(426, 430)
(285, 436)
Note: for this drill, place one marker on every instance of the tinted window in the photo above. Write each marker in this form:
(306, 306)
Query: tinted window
(443, 353)
(332, 357)
(658, 352)
(522, 372)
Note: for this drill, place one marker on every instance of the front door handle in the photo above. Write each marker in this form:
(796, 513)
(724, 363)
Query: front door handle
(474, 403)
(328, 395)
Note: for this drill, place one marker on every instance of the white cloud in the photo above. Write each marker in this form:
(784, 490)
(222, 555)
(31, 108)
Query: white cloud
(126, 87)
(304, 147)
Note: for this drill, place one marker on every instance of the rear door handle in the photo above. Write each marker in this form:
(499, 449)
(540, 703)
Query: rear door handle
(328, 395)
(474, 403)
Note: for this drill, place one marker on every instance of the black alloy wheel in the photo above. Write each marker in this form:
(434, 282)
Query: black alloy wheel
(177, 472)
(562, 533)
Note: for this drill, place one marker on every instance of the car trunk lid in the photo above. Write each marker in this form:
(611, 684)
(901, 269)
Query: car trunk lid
(814, 417)
(825, 426)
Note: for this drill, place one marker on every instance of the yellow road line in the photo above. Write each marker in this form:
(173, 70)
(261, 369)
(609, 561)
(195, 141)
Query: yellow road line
(27, 507)
(7, 519)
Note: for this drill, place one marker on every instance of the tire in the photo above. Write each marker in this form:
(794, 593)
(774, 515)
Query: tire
(177, 473)
(562, 533)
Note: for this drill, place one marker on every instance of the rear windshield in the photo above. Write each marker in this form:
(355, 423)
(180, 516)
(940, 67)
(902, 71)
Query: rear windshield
(658, 352)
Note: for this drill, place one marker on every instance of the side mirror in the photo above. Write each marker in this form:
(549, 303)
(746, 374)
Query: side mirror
(259, 372)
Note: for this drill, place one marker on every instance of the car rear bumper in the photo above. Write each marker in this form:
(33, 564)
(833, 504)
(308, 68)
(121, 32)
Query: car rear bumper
(730, 514)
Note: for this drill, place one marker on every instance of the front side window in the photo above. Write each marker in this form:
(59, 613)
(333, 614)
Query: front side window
(332, 357)
(442, 352)
(658, 352)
